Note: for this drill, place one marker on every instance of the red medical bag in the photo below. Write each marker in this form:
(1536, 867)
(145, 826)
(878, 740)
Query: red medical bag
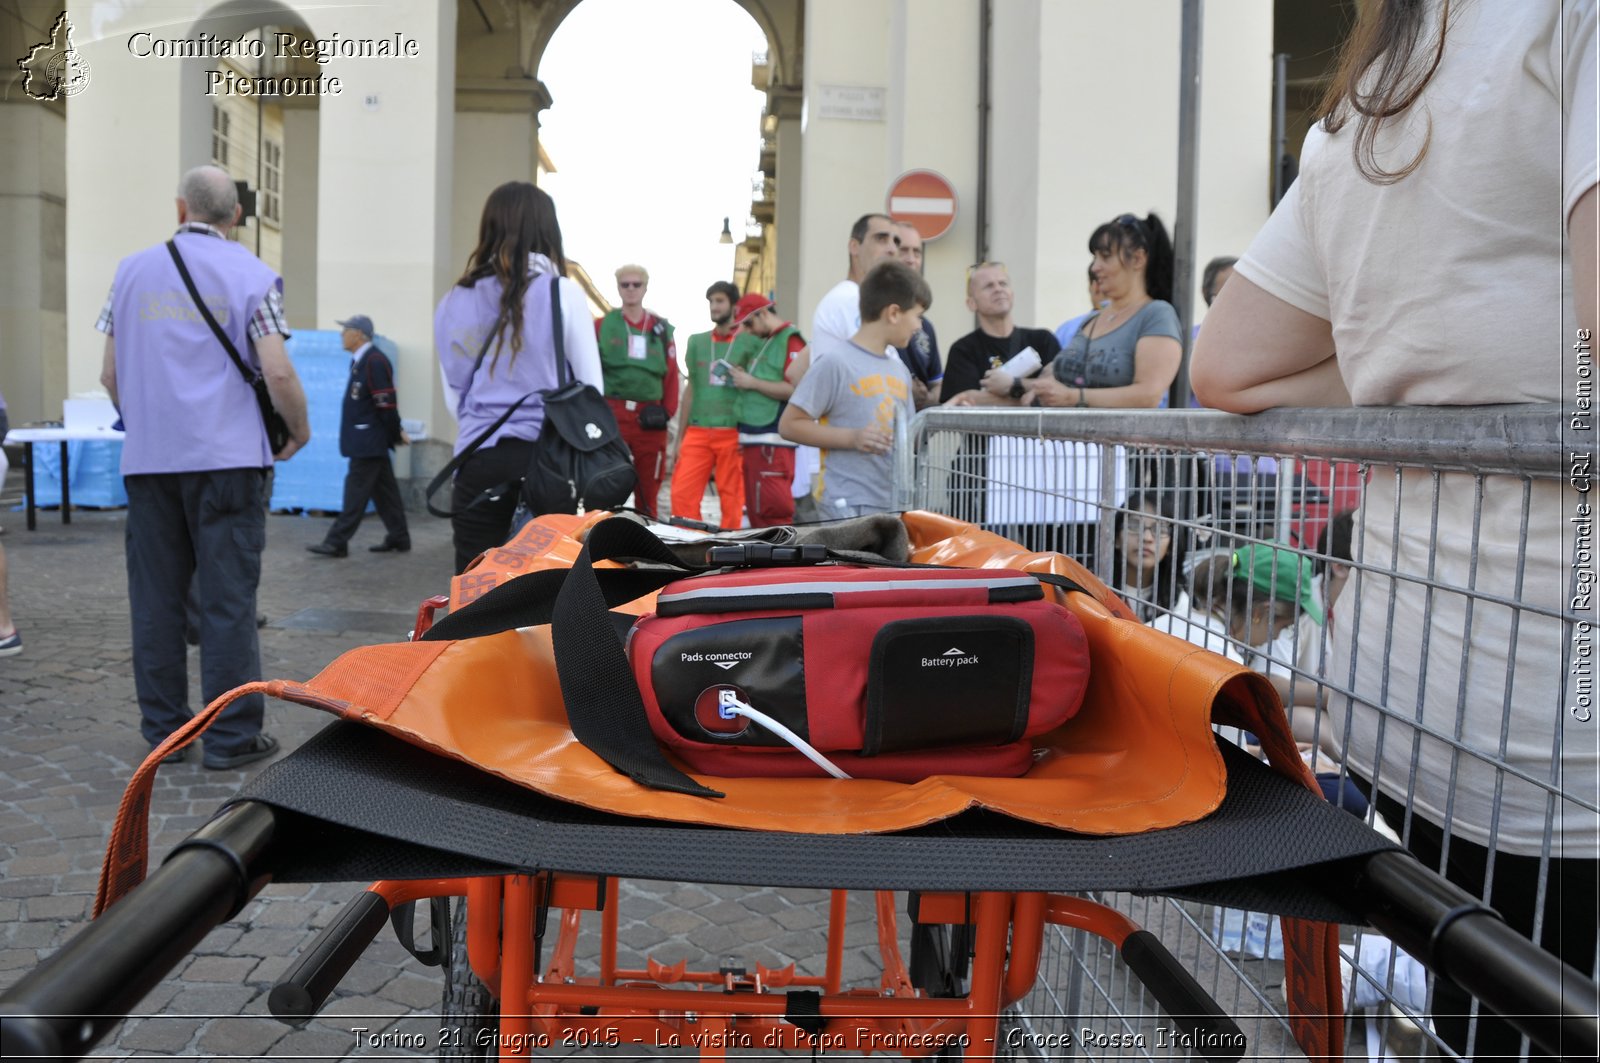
(889, 673)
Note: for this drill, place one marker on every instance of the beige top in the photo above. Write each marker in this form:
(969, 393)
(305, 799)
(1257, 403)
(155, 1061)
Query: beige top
(1449, 287)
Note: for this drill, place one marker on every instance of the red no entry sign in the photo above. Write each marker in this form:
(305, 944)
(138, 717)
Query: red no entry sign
(925, 201)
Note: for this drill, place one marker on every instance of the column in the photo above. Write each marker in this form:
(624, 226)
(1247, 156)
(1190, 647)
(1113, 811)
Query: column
(384, 184)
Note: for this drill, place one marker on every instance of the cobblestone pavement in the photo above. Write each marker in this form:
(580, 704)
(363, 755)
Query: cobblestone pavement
(71, 742)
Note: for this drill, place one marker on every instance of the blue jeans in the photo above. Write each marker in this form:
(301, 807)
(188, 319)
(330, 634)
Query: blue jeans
(208, 528)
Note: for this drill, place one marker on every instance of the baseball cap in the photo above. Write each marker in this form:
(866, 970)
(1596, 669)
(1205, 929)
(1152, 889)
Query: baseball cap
(748, 304)
(359, 322)
(1283, 574)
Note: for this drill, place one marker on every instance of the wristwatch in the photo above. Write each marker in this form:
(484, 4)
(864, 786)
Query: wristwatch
(1083, 398)
(1017, 389)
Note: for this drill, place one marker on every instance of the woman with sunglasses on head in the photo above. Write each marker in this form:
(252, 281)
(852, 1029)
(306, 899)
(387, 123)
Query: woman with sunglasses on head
(1127, 354)
(494, 331)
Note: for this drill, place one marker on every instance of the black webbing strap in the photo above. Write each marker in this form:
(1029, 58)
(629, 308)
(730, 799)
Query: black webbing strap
(531, 599)
(603, 703)
(1066, 583)
(803, 1008)
(205, 312)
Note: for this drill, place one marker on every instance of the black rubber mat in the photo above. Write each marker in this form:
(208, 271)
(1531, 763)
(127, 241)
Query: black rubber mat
(365, 806)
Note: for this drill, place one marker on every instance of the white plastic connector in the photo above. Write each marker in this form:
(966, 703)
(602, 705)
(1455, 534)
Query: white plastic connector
(728, 702)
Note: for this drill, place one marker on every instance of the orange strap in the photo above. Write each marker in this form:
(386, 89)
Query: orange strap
(128, 850)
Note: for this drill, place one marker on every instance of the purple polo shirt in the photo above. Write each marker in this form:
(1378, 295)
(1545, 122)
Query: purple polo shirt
(464, 319)
(185, 405)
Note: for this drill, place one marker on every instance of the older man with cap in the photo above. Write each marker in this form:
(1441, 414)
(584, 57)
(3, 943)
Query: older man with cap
(189, 324)
(765, 369)
(369, 426)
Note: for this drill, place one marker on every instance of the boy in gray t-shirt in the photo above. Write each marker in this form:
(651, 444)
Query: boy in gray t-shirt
(847, 402)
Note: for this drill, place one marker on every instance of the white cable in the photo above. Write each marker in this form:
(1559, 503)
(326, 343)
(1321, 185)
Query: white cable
(739, 708)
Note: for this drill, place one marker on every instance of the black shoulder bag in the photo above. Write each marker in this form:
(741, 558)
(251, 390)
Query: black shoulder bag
(277, 428)
(580, 457)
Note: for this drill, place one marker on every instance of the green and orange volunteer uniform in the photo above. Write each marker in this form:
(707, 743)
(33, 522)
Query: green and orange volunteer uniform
(768, 457)
(710, 440)
(640, 363)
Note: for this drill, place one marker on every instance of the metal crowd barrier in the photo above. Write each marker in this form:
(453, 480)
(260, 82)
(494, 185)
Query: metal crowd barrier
(1470, 678)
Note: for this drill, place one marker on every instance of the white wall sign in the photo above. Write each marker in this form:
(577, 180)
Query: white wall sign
(855, 103)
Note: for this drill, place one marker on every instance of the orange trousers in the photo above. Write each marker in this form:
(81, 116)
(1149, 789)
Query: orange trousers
(703, 451)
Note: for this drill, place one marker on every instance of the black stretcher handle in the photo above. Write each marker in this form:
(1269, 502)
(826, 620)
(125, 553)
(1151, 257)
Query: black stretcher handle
(1456, 936)
(61, 1008)
(304, 988)
(1211, 1032)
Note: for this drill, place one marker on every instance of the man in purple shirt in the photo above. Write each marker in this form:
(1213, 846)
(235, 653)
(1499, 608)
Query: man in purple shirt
(195, 457)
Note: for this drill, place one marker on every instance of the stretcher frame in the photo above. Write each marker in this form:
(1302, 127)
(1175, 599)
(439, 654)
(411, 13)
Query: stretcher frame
(672, 1006)
(67, 1004)
(62, 1008)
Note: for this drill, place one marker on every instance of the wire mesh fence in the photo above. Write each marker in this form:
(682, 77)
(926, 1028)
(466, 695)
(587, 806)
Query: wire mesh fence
(1414, 582)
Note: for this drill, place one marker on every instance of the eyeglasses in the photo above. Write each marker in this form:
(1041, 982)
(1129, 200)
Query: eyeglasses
(630, 284)
(986, 264)
(1141, 529)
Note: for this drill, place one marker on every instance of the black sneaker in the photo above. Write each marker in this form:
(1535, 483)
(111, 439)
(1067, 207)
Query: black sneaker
(260, 747)
(177, 756)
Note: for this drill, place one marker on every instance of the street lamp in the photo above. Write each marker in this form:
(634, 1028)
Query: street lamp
(727, 233)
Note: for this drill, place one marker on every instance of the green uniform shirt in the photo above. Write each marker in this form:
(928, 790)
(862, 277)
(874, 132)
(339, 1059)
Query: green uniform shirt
(713, 396)
(626, 375)
(764, 359)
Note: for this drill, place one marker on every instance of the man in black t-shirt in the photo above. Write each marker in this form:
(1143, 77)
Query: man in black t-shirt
(971, 378)
(989, 346)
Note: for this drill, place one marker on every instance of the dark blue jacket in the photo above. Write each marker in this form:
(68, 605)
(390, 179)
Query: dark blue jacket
(370, 423)
(921, 355)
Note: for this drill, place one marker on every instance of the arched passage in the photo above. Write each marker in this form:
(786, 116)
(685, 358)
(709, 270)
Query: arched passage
(501, 99)
(266, 139)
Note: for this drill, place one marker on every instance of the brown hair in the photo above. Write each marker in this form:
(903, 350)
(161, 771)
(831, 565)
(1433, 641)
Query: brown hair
(1383, 44)
(519, 219)
(892, 283)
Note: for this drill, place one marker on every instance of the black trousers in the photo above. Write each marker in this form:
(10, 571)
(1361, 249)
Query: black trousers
(1568, 928)
(370, 479)
(205, 528)
(480, 527)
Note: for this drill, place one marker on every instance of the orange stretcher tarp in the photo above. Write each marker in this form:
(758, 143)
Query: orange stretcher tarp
(1139, 755)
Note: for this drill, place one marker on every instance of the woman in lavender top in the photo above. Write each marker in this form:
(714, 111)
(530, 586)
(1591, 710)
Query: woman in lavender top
(494, 334)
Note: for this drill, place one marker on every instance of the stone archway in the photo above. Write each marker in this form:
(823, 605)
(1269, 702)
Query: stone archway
(268, 140)
(499, 98)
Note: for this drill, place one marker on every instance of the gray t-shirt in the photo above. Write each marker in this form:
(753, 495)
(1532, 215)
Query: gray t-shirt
(852, 388)
(1107, 361)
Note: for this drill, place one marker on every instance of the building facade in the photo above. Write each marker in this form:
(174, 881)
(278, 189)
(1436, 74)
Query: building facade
(371, 135)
